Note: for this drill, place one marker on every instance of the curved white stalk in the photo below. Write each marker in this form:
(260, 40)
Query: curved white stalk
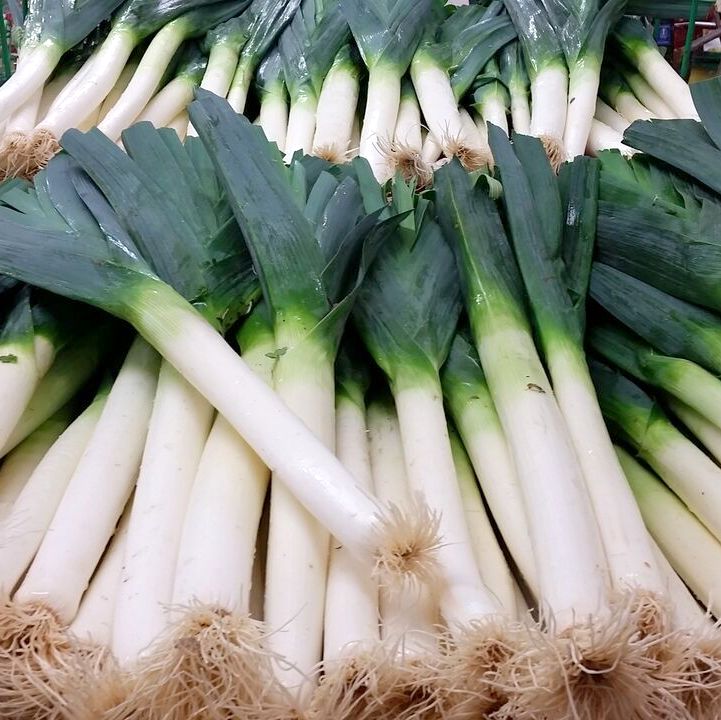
(379, 119)
(629, 107)
(217, 545)
(410, 613)
(607, 115)
(94, 620)
(97, 492)
(603, 137)
(301, 125)
(89, 121)
(408, 125)
(570, 563)
(549, 101)
(19, 465)
(298, 546)
(335, 113)
(222, 61)
(691, 549)
(666, 82)
(489, 556)
(707, 432)
(146, 78)
(273, 118)
(177, 431)
(649, 97)
(168, 103)
(351, 605)
(23, 529)
(76, 101)
(118, 89)
(180, 124)
(630, 558)
(432, 474)
(685, 610)
(584, 78)
(33, 70)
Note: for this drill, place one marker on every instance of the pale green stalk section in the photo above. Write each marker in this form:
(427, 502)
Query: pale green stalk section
(146, 78)
(19, 465)
(118, 89)
(298, 546)
(691, 549)
(23, 529)
(704, 430)
(379, 120)
(488, 553)
(239, 86)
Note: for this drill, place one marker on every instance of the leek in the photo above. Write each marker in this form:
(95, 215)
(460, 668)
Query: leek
(620, 96)
(547, 72)
(490, 97)
(470, 404)
(308, 47)
(387, 33)
(20, 464)
(708, 434)
(178, 93)
(273, 117)
(639, 421)
(50, 28)
(689, 383)
(639, 48)
(513, 72)
(266, 22)
(156, 59)
(336, 109)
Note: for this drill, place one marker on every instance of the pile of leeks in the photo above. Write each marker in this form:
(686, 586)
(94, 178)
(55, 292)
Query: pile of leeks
(280, 441)
(405, 84)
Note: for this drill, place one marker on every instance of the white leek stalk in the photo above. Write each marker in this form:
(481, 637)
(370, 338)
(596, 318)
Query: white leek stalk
(649, 97)
(178, 428)
(691, 549)
(118, 89)
(351, 609)
(488, 553)
(180, 124)
(25, 526)
(704, 430)
(607, 115)
(94, 620)
(411, 613)
(336, 109)
(298, 545)
(103, 480)
(603, 137)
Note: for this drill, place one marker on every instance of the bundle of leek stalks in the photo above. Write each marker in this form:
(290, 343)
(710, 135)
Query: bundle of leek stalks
(282, 442)
(406, 85)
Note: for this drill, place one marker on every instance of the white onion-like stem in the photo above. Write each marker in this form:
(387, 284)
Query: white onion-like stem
(603, 137)
(118, 89)
(707, 432)
(549, 100)
(607, 115)
(301, 125)
(584, 78)
(351, 607)
(103, 481)
(649, 97)
(176, 434)
(336, 112)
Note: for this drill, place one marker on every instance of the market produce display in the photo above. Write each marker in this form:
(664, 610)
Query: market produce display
(358, 360)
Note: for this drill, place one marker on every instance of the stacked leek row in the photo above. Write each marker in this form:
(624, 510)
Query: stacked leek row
(328, 448)
(406, 85)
